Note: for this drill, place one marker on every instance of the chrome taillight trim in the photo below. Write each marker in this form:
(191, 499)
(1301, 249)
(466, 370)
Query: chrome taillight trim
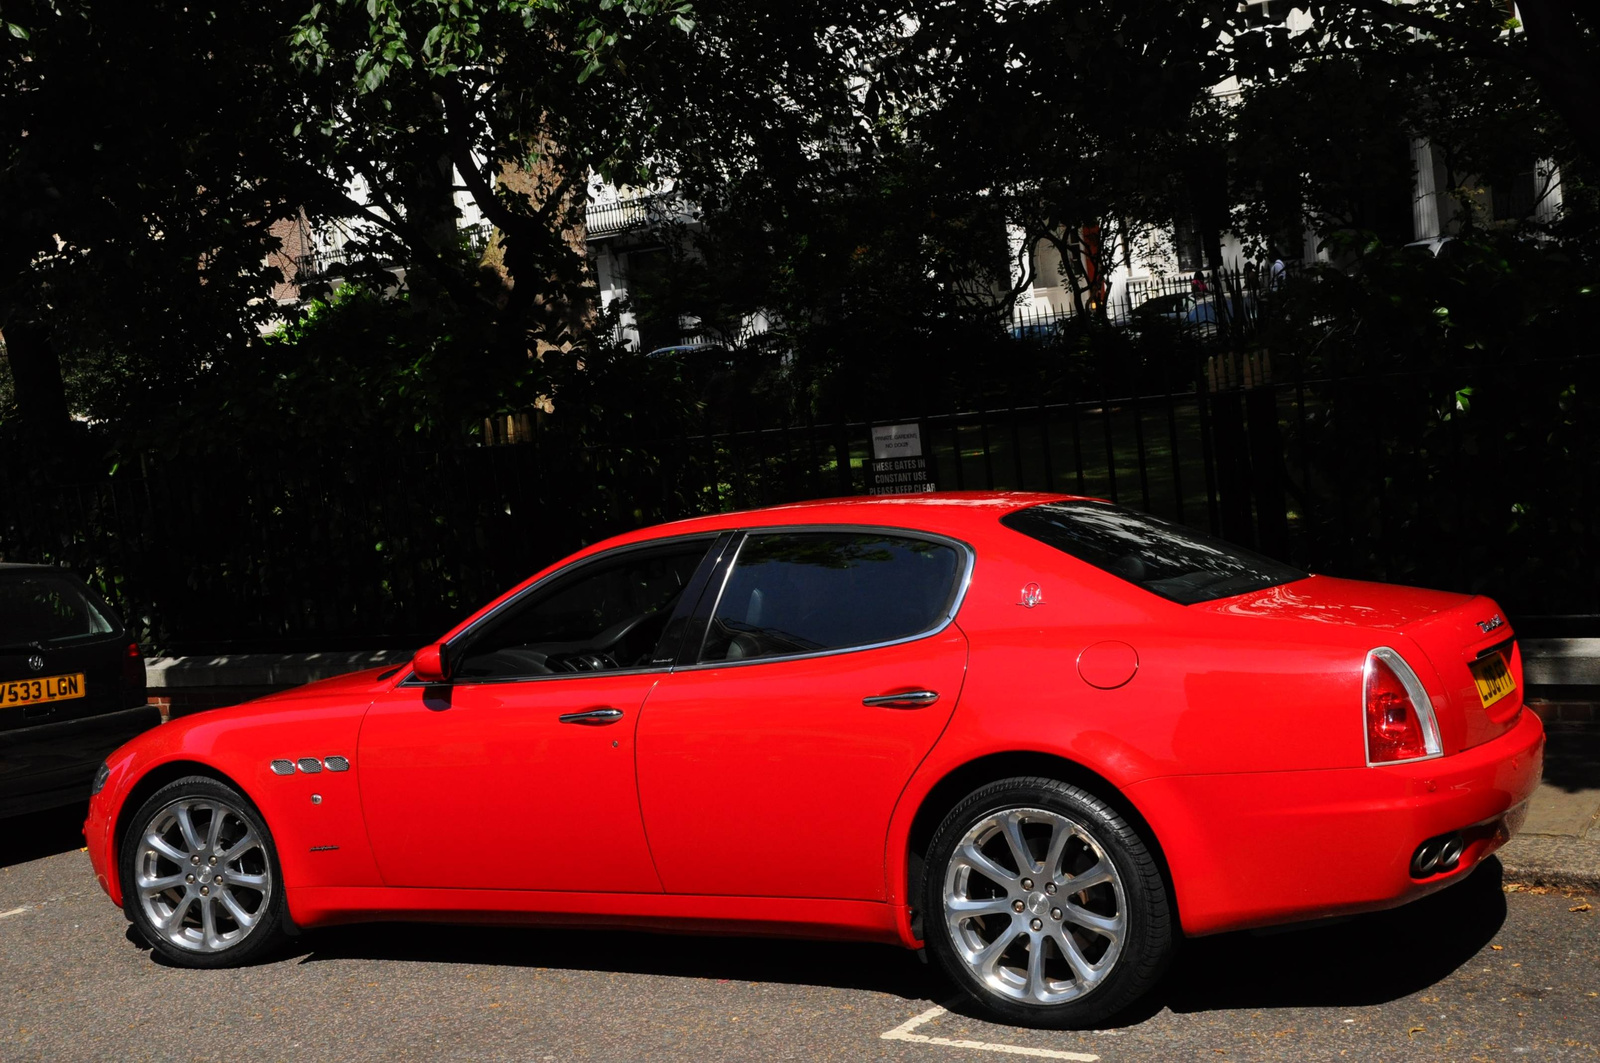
(1421, 703)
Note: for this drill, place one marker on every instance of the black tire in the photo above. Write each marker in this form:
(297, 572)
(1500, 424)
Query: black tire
(206, 933)
(1114, 965)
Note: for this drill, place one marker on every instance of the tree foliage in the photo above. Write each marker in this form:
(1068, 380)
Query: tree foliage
(146, 151)
(1331, 99)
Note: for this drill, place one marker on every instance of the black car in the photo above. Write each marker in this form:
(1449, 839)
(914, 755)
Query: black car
(71, 687)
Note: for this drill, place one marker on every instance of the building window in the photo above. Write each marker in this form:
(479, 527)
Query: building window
(1266, 12)
(1186, 245)
(1514, 198)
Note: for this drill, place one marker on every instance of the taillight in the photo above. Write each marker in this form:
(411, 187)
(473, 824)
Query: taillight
(133, 670)
(1399, 716)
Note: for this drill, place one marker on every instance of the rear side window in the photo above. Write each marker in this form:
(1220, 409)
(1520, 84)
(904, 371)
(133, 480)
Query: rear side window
(1166, 559)
(49, 609)
(803, 592)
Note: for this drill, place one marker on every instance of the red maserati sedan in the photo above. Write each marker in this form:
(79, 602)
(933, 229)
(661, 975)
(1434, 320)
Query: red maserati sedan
(1040, 736)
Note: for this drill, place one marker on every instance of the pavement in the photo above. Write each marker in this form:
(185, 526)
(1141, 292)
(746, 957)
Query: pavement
(1486, 970)
(1559, 844)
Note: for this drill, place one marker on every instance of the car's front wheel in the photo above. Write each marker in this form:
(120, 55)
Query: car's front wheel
(1044, 905)
(200, 876)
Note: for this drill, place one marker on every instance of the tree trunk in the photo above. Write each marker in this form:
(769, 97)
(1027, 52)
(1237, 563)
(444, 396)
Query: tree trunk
(552, 287)
(36, 376)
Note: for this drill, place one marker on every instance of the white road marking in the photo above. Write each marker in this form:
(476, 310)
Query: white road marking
(903, 1033)
(14, 911)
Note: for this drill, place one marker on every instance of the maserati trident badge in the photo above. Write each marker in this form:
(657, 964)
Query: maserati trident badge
(1032, 595)
(36, 662)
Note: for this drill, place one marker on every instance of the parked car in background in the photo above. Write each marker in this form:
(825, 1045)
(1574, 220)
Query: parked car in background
(1041, 736)
(72, 687)
(711, 370)
(1187, 314)
(1042, 333)
(711, 354)
(1192, 314)
(1174, 307)
(1445, 248)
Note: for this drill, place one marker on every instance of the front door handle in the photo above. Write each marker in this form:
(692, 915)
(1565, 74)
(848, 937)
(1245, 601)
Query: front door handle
(592, 717)
(906, 699)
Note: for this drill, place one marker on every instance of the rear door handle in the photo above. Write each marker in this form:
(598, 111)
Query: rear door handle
(592, 717)
(906, 699)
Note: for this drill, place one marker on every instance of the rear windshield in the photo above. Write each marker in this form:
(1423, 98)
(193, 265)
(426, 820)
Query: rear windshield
(1166, 559)
(48, 609)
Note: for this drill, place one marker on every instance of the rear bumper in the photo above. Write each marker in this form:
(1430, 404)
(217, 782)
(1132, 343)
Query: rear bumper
(1267, 848)
(52, 764)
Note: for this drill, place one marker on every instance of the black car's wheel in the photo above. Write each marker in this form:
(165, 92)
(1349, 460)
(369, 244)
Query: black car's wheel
(1044, 905)
(200, 875)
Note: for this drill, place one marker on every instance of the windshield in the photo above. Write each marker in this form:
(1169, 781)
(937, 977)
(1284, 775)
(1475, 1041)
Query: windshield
(49, 609)
(1166, 559)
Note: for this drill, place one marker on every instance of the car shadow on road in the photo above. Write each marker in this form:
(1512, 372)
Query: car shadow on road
(35, 835)
(1370, 959)
(879, 968)
(1362, 961)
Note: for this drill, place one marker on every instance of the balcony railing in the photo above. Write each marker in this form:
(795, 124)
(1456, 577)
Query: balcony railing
(335, 262)
(635, 212)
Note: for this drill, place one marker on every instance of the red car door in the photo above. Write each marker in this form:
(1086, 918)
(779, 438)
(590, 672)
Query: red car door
(771, 761)
(491, 790)
(519, 774)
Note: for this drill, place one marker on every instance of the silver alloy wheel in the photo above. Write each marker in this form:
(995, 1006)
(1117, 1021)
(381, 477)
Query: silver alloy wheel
(1035, 907)
(202, 874)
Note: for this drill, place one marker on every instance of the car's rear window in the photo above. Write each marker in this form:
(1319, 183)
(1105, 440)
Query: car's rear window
(49, 609)
(1166, 559)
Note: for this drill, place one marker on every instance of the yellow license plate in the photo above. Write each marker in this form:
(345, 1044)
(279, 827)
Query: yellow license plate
(1493, 679)
(45, 688)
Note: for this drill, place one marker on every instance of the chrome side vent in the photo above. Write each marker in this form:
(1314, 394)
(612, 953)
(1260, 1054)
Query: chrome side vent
(336, 763)
(283, 767)
(310, 765)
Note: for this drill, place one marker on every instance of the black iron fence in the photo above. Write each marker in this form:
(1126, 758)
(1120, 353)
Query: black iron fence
(1224, 307)
(1473, 478)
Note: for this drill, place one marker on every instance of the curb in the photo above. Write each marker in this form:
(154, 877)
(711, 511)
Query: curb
(1541, 860)
(268, 670)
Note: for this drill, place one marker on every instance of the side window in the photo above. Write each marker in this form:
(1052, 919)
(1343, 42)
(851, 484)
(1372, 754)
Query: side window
(606, 615)
(801, 592)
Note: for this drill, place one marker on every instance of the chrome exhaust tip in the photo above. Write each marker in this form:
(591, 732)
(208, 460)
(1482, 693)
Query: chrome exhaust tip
(1426, 858)
(1450, 852)
(1438, 855)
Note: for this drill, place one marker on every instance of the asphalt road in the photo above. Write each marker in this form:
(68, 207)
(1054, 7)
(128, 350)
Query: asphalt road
(1480, 972)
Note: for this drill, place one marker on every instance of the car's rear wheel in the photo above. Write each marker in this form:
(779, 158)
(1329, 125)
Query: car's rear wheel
(1044, 905)
(200, 876)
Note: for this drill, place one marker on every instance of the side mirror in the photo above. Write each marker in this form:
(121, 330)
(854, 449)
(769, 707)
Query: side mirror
(431, 664)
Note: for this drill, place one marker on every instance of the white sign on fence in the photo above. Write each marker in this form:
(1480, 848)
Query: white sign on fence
(898, 465)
